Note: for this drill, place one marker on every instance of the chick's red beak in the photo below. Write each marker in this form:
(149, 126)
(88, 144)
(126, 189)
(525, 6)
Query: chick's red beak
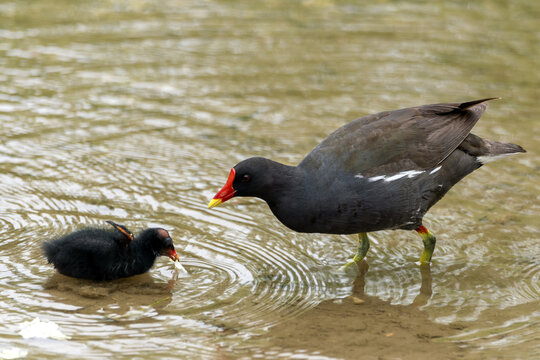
(226, 191)
(173, 255)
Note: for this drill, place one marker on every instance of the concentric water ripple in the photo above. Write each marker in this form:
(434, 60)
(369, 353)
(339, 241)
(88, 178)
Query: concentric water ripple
(134, 111)
(242, 278)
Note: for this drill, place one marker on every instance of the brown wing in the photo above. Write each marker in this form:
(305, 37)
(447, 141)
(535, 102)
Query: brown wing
(394, 141)
(128, 236)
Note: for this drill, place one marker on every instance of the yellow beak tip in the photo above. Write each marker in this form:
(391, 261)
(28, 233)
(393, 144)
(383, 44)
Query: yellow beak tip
(214, 202)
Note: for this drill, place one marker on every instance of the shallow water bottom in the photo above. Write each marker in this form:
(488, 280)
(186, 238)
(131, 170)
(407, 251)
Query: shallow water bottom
(360, 326)
(135, 110)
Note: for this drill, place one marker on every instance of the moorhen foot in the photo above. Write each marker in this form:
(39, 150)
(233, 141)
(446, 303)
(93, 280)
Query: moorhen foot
(382, 171)
(100, 254)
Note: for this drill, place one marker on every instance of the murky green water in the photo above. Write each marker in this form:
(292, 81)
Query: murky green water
(134, 111)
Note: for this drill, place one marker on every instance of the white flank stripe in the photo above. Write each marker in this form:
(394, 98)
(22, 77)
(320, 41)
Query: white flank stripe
(395, 177)
(413, 173)
(409, 174)
(376, 178)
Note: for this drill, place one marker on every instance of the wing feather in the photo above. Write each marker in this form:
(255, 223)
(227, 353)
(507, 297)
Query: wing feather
(416, 138)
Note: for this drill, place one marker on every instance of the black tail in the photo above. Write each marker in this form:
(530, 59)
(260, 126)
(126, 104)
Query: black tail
(499, 148)
(488, 150)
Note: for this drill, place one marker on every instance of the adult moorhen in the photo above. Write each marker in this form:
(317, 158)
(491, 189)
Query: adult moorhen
(382, 171)
(100, 254)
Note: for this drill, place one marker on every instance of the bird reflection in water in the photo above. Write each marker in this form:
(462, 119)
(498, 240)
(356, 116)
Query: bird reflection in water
(358, 291)
(123, 297)
(381, 329)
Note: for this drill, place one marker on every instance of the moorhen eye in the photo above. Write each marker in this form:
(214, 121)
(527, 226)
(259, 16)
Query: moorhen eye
(382, 171)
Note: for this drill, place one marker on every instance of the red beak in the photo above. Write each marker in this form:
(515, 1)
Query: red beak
(173, 255)
(226, 191)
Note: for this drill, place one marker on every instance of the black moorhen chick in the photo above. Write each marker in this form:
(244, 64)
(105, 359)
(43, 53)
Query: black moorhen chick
(100, 254)
(382, 171)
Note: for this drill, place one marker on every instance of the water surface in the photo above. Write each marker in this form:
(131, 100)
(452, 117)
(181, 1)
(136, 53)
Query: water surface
(134, 111)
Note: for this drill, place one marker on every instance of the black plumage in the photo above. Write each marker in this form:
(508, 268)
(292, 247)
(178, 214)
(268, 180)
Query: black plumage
(382, 171)
(103, 254)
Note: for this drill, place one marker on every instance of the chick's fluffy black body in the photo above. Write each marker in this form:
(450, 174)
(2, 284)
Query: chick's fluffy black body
(100, 254)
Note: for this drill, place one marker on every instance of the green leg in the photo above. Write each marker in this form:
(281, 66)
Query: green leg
(429, 244)
(363, 247)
